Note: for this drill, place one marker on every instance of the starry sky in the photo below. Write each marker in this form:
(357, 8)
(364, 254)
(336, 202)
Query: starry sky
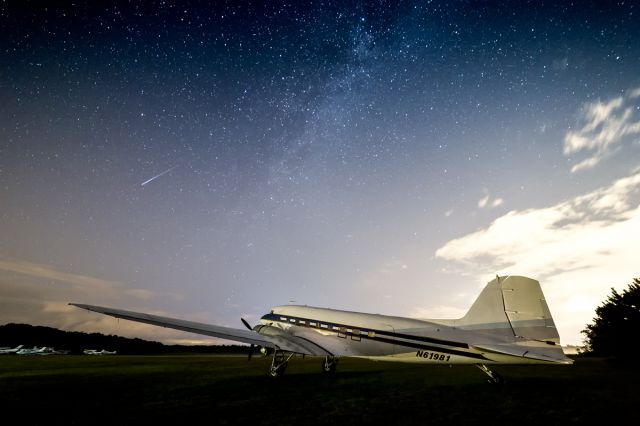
(209, 160)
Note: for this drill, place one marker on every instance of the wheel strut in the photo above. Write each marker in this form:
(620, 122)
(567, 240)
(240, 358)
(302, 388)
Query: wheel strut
(329, 364)
(494, 378)
(279, 363)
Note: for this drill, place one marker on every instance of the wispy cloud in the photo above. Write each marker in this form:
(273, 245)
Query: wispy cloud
(603, 127)
(48, 273)
(39, 294)
(560, 63)
(578, 249)
(489, 202)
(437, 312)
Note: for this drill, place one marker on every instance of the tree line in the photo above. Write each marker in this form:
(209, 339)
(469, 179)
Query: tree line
(76, 342)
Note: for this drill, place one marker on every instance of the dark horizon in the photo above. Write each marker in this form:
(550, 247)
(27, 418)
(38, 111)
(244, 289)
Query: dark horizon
(12, 335)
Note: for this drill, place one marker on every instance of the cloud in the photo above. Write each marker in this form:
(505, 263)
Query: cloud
(578, 249)
(437, 312)
(488, 202)
(51, 274)
(560, 63)
(39, 294)
(604, 127)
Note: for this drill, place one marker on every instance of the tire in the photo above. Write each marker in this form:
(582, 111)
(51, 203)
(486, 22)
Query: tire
(329, 367)
(277, 371)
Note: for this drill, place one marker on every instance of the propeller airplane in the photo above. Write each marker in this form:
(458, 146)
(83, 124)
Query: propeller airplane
(509, 323)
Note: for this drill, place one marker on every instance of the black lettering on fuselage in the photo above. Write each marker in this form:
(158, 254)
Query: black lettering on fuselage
(436, 356)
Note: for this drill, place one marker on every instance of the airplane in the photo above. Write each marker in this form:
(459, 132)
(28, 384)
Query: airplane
(96, 352)
(45, 350)
(5, 351)
(509, 323)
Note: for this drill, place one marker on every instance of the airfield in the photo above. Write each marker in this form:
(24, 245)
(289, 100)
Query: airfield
(230, 390)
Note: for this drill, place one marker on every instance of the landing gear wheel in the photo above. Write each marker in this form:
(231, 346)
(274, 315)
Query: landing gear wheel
(329, 365)
(278, 371)
(497, 379)
(279, 363)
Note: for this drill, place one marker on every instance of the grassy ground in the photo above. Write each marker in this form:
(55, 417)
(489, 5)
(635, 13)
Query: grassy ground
(230, 390)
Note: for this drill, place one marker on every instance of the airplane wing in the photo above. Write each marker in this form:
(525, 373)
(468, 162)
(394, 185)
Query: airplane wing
(276, 339)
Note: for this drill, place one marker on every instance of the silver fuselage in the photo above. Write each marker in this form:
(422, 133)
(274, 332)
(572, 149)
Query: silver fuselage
(390, 338)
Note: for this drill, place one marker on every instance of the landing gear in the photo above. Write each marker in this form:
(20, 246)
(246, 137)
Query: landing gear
(494, 378)
(329, 364)
(279, 363)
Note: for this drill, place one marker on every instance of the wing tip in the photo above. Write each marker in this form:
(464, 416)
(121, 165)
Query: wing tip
(78, 305)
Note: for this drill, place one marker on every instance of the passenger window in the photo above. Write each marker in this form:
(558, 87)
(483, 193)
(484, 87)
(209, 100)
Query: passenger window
(356, 335)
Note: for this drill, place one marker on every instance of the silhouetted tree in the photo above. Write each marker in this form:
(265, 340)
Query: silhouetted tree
(615, 329)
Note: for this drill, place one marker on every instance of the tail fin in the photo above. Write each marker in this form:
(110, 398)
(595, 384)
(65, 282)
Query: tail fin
(512, 306)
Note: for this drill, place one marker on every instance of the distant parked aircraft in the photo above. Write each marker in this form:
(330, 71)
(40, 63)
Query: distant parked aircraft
(45, 350)
(509, 323)
(96, 352)
(10, 350)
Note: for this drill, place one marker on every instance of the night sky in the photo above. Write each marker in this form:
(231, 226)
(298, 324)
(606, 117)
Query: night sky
(209, 160)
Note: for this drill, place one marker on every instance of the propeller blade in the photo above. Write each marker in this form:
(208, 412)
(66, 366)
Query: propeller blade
(246, 324)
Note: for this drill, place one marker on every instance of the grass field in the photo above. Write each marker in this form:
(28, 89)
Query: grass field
(230, 390)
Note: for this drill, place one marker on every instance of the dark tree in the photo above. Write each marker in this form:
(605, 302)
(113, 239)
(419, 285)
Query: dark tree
(616, 327)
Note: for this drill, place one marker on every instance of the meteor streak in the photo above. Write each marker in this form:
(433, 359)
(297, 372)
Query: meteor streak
(157, 176)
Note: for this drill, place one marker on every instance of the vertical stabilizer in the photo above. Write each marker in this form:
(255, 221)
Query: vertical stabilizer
(512, 306)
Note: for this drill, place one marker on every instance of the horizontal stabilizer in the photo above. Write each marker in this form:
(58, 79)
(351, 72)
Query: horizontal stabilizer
(551, 354)
(502, 349)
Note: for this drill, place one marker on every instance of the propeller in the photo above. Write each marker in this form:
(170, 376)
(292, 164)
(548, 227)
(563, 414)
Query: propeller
(246, 324)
